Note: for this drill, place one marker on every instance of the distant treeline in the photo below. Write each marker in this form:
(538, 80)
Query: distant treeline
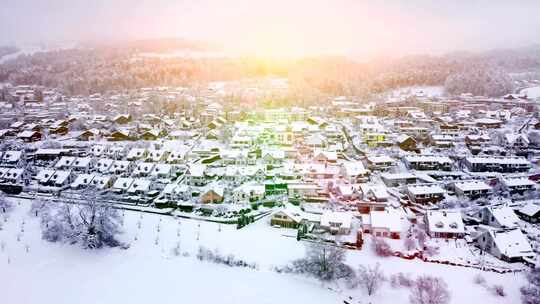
(109, 68)
(6, 50)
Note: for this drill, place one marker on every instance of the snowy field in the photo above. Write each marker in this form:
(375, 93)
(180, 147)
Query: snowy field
(34, 271)
(533, 92)
(428, 91)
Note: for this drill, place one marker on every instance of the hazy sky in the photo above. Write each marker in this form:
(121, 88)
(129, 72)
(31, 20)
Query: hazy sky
(355, 27)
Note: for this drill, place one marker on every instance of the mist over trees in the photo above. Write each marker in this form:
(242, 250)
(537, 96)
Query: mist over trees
(120, 67)
(479, 81)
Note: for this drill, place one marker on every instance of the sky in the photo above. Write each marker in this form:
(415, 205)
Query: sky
(360, 28)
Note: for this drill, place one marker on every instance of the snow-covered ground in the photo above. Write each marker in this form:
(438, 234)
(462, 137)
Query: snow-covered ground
(148, 272)
(428, 91)
(533, 92)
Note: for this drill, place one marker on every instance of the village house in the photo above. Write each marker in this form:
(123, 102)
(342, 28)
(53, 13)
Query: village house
(425, 193)
(82, 181)
(509, 245)
(247, 193)
(157, 155)
(302, 190)
(324, 157)
(44, 176)
(379, 162)
(214, 194)
(14, 176)
(516, 141)
(501, 217)
(103, 182)
(62, 179)
(122, 167)
(517, 185)
(103, 165)
(472, 189)
(141, 187)
(406, 143)
(497, 164)
(163, 171)
(176, 157)
(137, 154)
(143, 169)
(444, 224)
(398, 179)
(386, 223)
(336, 222)
(530, 213)
(428, 162)
(354, 172)
(196, 175)
(83, 164)
(29, 136)
(291, 216)
(122, 184)
(13, 158)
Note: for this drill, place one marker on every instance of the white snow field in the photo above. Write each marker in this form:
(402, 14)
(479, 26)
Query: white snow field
(533, 92)
(35, 271)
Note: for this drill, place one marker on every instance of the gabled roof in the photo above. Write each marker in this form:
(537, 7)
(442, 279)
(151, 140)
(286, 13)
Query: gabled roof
(445, 221)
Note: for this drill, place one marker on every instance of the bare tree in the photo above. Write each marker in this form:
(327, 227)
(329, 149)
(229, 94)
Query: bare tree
(371, 278)
(381, 247)
(323, 261)
(91, 224)
(530, 294)
(5, 204)
(429, 290)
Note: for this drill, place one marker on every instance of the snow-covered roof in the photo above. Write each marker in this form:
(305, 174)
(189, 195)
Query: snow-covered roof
(60, 177)
(445, 221)
(519, 181)
(83, 180)
(390, 220)
(162, 169)
(425, 189)
(472, 185)
(397, 176)
(12, 156)
(511, 243)
(140, 184)
(64, 161)
(44, 175)
(380, 159)
(123, 183)
(354, 168)
(331, 218)
(82, 162)
(505, 216)
(428, 158)
(530, 209)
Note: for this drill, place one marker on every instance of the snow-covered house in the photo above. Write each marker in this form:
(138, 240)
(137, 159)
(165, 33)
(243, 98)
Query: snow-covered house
(497, 164)
(196, 175)
(44, 176)
(13, 158)
(398, 179)
(176, 157)
(174, 192)
(516, 141)
(425, 193)
(213, 194)
(323, 157)
(517, 184)
(428, 162)
(472, 189)
(164, 171)
(137, 154)
(102, 182)
(374, 192)
(354, 171)
(273, 157)
(83, 181)
(62, 178)
(140, 187)
(379, 162)
(501, 217)
(235, 157)
(83, 164)
(122, 184)
(103, 165)
(383, 224)
(29, 136)
(444, 224)
(15, 176)
(65, 162)
(529, 213)
(240, 174)
(291, 216)
(121, 167)
(300, 190)
(98, 150)
(250, 192)
(509, 245)
(158, 155)
(143, 169)
(336, 222)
